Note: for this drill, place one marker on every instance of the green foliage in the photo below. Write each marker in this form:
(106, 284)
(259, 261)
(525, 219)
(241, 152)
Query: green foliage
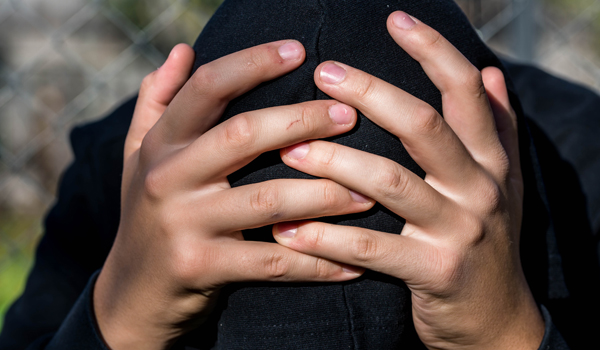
(208, 5)
(568, 7)
(142, 12)
(18, 231)
(12, 279)
(16, 254)
(138, 12)
(563, 12)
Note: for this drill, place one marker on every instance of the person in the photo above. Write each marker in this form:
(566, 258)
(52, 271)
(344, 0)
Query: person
(179, 239)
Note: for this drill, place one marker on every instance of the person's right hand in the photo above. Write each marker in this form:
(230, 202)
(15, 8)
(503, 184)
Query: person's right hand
(179, 239)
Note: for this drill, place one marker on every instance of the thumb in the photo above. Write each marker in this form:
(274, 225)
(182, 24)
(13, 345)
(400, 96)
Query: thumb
(156, 92)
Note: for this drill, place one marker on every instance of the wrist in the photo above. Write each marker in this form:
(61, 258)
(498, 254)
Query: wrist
(520, 327)
(512, 322)
(122, 322)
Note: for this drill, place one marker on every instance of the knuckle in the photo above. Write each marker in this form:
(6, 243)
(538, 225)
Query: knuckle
(329, 157)
(266, 201)
(366, 88)
(473, 81)
(187, 262)
(450, 269)
(322, 269)
(492, 198)
(426, 120)
(474, 231)
(391, 182)
(276, 265)
(147, 83)
(155, 183)
(239, 133)
(205, 82)
(256, 59)
(307, 118)
(430, 39)
(314, 240)
(328, 194)
(363, 247)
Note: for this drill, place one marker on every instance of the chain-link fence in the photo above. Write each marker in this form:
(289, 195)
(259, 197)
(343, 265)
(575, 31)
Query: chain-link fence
(63, 63)
(561, 36)
(66, 62)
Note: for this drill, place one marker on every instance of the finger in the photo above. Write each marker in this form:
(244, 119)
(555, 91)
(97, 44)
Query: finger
(157, 90)
(274, 201)
(390, 184)
(394, 255)
(423, 132)
(236, 142)
(465, 104)
(505, 117)
(243, 261)
(202, 100)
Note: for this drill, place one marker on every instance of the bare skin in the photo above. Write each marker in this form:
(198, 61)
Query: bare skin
(179, 240)
(459, 250)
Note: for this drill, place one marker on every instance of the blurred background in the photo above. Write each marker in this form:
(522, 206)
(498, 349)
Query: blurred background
(68, 62)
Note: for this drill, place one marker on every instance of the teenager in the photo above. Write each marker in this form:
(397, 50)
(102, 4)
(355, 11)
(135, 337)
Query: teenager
(188, 191)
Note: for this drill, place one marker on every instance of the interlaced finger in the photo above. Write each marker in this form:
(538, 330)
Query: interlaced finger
(465, 103)
(259, 261)
(387, 182)
(156, 92)
(394, 255)
(236, 142)
(423, 132)
(203, 98)
(280, 200)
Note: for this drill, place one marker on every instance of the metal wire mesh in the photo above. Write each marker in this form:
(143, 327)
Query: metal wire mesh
(69, 61)
(63, 63)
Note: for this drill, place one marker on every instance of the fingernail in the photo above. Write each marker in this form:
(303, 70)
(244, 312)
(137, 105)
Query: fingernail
(298, 151)
(357, 197)
(340, 114)
(403, 20)
(331, 73)
(353, 270)
(290, 51)
(287, 229)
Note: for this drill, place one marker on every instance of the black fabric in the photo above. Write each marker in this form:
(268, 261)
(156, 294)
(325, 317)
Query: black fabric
(80, 321)
(543, 97)
(553, 340)
(79, 231)
(566, 136)
(80, 331)
(370, 313)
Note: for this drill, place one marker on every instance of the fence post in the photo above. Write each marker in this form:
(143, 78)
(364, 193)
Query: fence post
(523, 30)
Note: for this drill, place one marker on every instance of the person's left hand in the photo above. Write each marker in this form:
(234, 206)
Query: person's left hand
(459, 249)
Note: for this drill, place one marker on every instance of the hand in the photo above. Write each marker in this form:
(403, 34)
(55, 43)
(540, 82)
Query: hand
(179, 239)
(459, 249)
